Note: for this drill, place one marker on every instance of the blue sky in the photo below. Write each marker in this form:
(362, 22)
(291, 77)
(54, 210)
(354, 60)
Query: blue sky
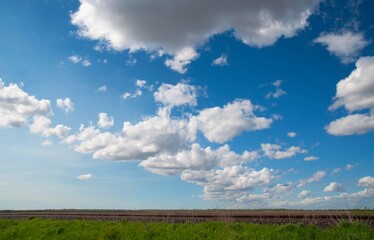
(135, 105)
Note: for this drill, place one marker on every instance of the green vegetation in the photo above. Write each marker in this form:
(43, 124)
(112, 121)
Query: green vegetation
(79, 229)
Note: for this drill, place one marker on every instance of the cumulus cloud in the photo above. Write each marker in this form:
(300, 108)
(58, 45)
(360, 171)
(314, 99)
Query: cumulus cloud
(87, 176)
(367, 181)
(66, 104)
(278, 91)
(196, 158)
(315, 178)
(291, 134)
(228, 183)
(181, 59)
(304, 194)
(102, 88)
(176, 95)
(334, 187)
(105, 121)
(356, 92)
(283, 188)
(345, 45)
(222, 124)
(221, 61)
(136, 94)
(273, 151)
(43, 125)
(351, 124)
(311, 158)
(179, 28)
(349, 167)
(152, 136)
(77, 59)
(47, 143)
(140, 83)
(335, 171)
(17, 107)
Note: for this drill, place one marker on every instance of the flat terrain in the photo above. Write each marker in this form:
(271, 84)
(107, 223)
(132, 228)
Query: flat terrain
(323, 219)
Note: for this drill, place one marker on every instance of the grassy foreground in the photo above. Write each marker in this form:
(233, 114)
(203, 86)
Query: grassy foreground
(81, 230)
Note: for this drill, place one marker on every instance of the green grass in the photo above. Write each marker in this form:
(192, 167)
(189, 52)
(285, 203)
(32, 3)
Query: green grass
(81, 230)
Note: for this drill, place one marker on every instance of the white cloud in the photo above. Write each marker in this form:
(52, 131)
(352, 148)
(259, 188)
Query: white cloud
(334, 187)
(315, 178)
(126, 95)
(65, 104)
(181, 59)
(105, 121)
(278, 91)
(349, 167)
(102, 88)
(311, 158)
(136, 94)
(351, 124)
(131, 61)
(176, 95)
(228, 183)
(304, 194)
(283, 188)
(196, 158)
(42, 125)
(222, 124)
(346, 45)
(356, 92)
(335, 171)
(47, 143)
(151, 137)
(18, 107)
(221, 61)
(181, 27)
(291, 134)
(86, 63)
(273, 151)
(367, 181)
(87, 176)
(140, 83)
(77, 59)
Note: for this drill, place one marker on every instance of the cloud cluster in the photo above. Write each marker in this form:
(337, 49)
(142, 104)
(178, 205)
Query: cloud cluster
(105, 121)
(179, 28)
(355, 93)
(83, 177)
(311, 158)
(176, 95)
(43, 125)
(317, 176)
(77, 59)
(345, 45)
(229, 183)
(220, 61)
(221, 124)
(66, 104)
(278, 91)
(273, 151)
(197, 158)
(17, 107)
(334, 187)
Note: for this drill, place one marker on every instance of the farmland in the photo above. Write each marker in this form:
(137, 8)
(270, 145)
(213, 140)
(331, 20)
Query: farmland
(322, 219)
(36, 228)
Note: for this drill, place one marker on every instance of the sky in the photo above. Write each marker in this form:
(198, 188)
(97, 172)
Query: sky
(165, 104)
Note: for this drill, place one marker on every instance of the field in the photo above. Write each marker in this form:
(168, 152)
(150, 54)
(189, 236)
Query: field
(36, 228)
(186, 224)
